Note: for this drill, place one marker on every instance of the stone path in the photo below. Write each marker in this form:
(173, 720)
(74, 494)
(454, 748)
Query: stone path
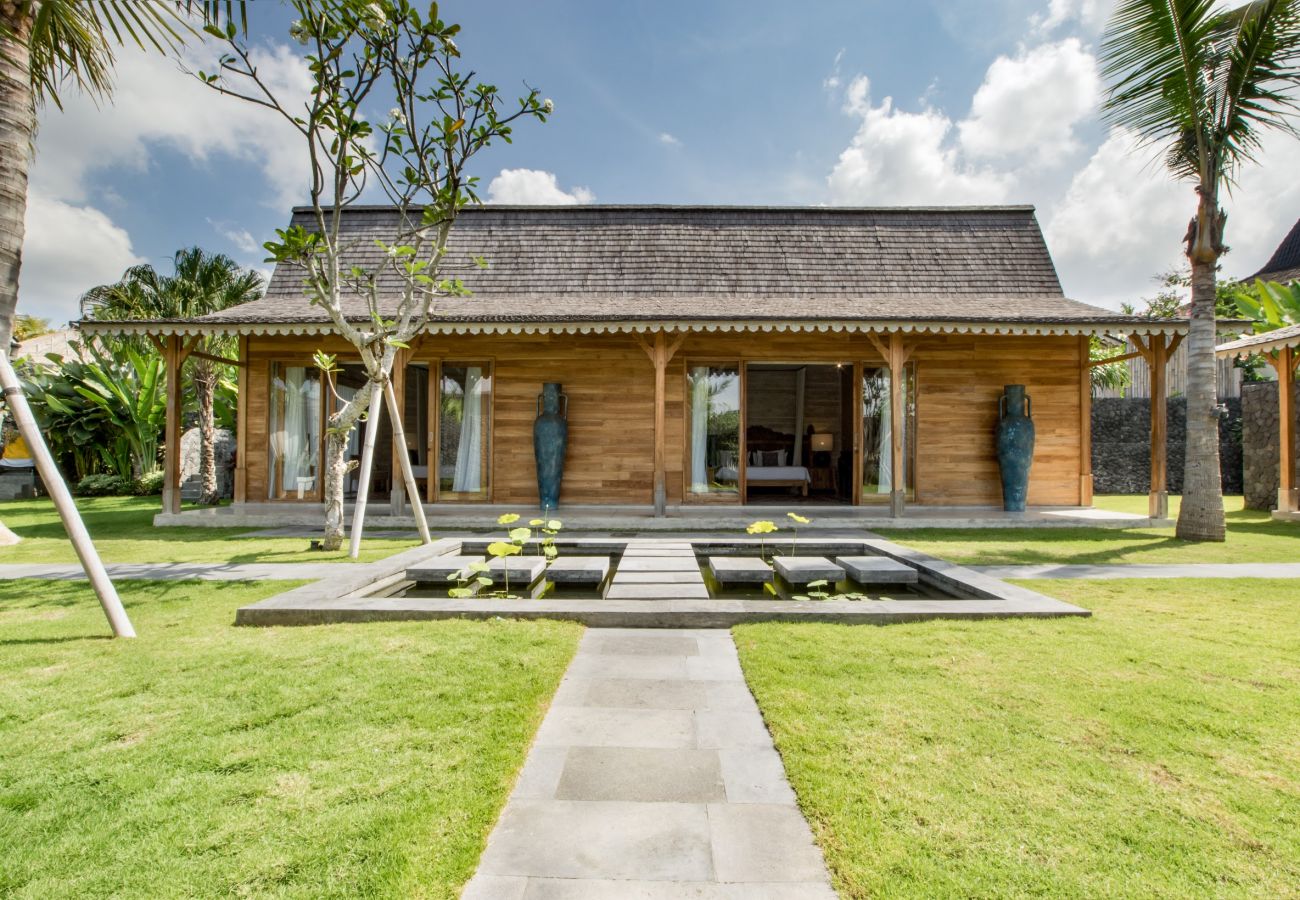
(179, 571)
(660, 570)
(1151, 570)
(652, 776)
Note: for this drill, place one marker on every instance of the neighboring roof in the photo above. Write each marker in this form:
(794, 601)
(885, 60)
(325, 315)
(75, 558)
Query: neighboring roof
(1262, 342)
(1284, 264)
(606, 265)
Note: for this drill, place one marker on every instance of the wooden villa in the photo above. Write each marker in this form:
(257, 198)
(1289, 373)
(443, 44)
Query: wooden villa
(710, 355)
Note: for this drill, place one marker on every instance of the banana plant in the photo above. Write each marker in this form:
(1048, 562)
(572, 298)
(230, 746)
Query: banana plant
(1271, 304)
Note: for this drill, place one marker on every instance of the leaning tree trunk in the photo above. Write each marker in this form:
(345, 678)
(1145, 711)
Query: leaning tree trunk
(1201, 516)
(338, 428)
(205, 387)
(17, 126)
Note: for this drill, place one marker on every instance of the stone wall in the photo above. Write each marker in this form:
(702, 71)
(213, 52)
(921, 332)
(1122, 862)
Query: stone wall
(1259, 433)
(1121, 445)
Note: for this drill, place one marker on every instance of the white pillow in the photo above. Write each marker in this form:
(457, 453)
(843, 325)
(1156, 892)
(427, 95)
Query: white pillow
(782, 459)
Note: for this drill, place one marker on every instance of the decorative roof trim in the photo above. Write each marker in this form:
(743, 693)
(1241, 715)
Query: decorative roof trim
(1170, 326)
(1263, 342)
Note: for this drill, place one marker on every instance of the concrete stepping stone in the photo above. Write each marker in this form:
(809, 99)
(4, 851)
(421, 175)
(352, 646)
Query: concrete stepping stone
(579, 570)
(877, 570)
(802, 570)
(740, 569)
(440, 568)
(671, 591)
(522, 569)
(658, 564)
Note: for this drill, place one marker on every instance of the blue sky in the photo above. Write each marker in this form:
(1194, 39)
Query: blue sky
(831, 102)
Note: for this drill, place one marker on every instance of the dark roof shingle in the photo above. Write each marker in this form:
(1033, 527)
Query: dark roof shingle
(1284, 264)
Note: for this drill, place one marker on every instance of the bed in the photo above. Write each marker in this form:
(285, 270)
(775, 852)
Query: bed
(769, 452)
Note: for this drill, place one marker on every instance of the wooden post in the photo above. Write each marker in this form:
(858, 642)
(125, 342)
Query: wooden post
(1158, 497)
(1085, 420)
(661, 352)
(1288, 498)
(171, 492)
(898, 489)
(241, 423)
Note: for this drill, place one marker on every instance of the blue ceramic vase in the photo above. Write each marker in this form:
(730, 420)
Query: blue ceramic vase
(550, 440)
(1015, 445)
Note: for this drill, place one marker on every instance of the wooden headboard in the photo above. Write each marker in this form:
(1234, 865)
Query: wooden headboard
(760, 437)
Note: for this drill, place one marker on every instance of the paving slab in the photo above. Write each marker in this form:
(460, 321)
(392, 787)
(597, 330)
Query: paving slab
(525, 568)
(877, 570)
(439, 569)
(674, 563)
(740, 569)
(675, 590)
(579, 570)
(654, 783)
(804, 569)
(624, 576)
(642, 774)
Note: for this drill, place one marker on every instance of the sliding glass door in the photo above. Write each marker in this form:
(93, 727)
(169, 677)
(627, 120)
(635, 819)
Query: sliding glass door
(295, 433)
(878, 476)
(713, 431)
(464, 433)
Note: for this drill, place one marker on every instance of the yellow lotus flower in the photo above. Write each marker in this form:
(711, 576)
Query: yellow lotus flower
(762, 526)
(508, 518)
(798, 518)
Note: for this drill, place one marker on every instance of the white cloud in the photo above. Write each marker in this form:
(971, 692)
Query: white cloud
(1028, 107)
(534, 187)
(1092, 15)
(242, 238)
(68, 250)
(907, 158)
(155, 103)
(832, 81)
(668, 140)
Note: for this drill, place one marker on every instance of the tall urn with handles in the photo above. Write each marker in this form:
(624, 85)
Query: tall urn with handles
(550, 440)
(1015, 439)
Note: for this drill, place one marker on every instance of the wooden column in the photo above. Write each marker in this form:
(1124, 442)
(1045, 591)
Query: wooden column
(661, 352)
(172, 361)
(1085, 420)
(1288, 498)
(1158, 495)
(241, 424)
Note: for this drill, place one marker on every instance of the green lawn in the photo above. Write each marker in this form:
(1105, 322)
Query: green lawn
(203, 759)
(122, 528)
(1152, 750)
(1252, 537)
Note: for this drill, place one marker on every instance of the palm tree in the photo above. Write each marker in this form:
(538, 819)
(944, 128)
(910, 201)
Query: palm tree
(202, 283)
(1202, 85)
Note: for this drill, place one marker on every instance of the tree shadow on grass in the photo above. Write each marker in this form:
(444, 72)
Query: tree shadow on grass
(64, 639)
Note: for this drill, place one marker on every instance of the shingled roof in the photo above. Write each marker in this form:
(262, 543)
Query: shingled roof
(636, 264)
(1284, 264)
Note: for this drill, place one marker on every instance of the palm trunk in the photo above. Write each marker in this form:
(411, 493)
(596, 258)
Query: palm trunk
(205, 386)
(1201, 515)
(17, 127)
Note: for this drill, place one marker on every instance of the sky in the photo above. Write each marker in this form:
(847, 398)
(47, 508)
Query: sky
(826, 102)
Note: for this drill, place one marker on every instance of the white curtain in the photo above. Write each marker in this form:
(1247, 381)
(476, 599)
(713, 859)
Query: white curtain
(293, 429)
(700, 431)
(469, 451)
(885, 480)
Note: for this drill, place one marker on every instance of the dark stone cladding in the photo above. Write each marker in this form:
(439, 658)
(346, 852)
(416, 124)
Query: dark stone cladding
(1259, 438)
(1121, 445)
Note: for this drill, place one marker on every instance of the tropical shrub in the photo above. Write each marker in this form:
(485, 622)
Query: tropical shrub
(101, 485)
(148, 484)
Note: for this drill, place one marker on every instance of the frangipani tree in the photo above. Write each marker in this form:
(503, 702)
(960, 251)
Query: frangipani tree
(1202, 84)
(363, 56)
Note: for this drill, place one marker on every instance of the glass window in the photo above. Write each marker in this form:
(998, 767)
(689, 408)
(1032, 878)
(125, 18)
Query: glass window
(713, 400)
(877, 434)
(295, 444)
(464, 434)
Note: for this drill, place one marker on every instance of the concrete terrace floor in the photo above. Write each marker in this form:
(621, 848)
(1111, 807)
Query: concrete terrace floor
(685, 519)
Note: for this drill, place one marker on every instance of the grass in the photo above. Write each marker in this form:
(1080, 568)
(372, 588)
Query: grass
(203, 759)
(1153, 750)
(1252, 537)
(122, 528)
